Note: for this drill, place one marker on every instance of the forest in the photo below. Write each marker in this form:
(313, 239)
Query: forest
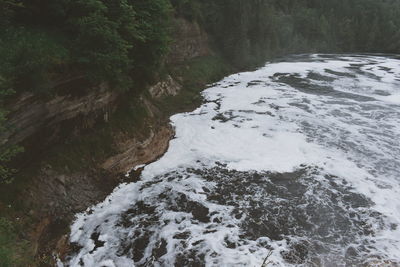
(122, 41)
(265, 29)
(125, 42)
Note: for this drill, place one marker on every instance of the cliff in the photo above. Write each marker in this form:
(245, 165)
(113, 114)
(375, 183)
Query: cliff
(79, 145)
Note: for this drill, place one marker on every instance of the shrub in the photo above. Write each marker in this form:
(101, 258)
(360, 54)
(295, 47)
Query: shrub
(29, 57)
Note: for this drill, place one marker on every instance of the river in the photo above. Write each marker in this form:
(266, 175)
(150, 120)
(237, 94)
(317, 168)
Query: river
(294, 164)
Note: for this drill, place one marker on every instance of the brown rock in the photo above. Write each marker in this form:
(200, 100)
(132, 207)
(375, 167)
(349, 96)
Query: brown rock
(167, 87)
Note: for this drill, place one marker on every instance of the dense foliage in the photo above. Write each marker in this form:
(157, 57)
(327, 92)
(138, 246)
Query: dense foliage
(123, 42)
(249, 31)
(45, 42)
(114, 41)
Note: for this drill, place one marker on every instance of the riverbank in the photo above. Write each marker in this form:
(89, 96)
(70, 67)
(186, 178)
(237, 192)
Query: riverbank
(78, 147)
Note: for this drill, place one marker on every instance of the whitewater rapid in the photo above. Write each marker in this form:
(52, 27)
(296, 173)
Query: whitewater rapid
(294, 164)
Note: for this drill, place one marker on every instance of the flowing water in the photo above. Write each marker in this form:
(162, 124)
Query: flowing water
(294, 164)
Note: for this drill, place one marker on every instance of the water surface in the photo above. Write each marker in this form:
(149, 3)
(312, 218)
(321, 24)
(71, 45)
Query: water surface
(294, 164)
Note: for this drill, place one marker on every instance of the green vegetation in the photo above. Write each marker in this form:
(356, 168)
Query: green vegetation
(120, 42)
(199, 71)
(10, 248)
(81, 153)
(124, 42)
(113, 41)
(85, 151)
(7, 151)
(6, 238)
(268, 28)
(194, 74)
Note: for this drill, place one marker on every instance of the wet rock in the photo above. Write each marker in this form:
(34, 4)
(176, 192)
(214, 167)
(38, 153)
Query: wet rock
(190, 259)
(319, 77)
(160, 249)
(253, 83)
(199, 212)
(297, 254)
(184, 235)
(97, 243)
(223, 117)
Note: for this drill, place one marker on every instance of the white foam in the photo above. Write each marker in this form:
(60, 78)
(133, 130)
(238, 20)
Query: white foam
(252, 122)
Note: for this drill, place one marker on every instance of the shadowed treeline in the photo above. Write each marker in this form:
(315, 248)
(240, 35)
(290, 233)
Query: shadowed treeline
(249, 31)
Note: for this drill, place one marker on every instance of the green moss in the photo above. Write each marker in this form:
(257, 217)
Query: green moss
(89, 149)
(200, 71)
(81, 152)
(129, 116)
(194, 75)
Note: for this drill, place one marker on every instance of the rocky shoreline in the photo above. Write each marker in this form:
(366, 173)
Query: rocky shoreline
(45, 199)
(138, 154)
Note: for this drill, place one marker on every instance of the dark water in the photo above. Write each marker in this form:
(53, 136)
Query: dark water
(295, 164)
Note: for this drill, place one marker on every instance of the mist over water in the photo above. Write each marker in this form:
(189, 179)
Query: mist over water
(298, 161)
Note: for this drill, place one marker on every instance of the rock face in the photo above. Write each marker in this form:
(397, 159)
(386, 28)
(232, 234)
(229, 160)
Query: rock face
(30, 114)
(190, 41)
(166, 87)
(135, 152)
(53, 197)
